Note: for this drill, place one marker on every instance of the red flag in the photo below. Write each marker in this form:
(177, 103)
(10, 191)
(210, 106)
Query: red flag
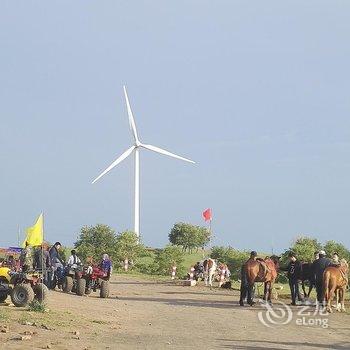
(207, 215)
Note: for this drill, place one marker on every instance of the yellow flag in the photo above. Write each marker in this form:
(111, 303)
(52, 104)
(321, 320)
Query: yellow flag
(35, 234)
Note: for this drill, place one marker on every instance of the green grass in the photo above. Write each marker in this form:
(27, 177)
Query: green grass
(100, 322)
(36, 306)
(3, 316)
(191, 258)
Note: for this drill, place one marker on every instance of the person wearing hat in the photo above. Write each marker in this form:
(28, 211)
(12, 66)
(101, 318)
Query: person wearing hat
(316, 255)
(335, 259)
(244, 282)
(319, 266)
(293, 273)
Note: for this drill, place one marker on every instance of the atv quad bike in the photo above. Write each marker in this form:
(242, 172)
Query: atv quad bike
(72, 275)
(93, 278)
(4, 283)
(23, 287)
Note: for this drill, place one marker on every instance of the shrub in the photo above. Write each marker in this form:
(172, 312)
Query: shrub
(189, 236)
(331, 246)
(96, 240)
(304, 248)
(36, 306)
(128, 246)
(147, 267)
(169, 256)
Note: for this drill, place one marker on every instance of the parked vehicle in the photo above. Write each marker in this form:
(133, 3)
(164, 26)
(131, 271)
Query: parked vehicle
(5, 278)
(93, 279)
(22, 287)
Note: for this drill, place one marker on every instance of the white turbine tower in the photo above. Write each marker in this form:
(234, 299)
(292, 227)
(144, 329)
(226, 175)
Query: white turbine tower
(136, 149)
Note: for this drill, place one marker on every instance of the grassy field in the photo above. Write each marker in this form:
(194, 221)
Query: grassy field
(192, 258)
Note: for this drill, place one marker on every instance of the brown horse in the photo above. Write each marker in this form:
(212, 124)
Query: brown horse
(335, 280)
(261, 270)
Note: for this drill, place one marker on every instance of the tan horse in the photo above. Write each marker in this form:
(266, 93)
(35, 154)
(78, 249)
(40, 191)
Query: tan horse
(262, 270)
(335, 280)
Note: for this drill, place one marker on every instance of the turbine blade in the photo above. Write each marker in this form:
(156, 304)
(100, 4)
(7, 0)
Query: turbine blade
(167, 153)
(116, 162)
(131, 117)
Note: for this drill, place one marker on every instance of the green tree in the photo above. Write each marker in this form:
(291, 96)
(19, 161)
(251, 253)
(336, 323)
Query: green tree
(189, 236)
(168, 257)
(304, 248)
(332, 246)
(127, 246)
(93, 241)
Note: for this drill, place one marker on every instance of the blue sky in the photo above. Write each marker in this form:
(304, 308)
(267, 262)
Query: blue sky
(256, 92)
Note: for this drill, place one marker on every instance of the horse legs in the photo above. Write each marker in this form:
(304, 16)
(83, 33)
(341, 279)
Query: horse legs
(205, 277)
(244, 287)
(337, 300)
(250, 293)
(341, 293)
(330, 297)
(303, 287)
(300, 298)
(210, 278)
(269, 292)
(311, 286)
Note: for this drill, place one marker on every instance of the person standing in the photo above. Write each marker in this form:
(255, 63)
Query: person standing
(57, 262)
(319, 266)
(42, 261)
(293, 273)
(42, 258)
(26, 258)
(106, 265)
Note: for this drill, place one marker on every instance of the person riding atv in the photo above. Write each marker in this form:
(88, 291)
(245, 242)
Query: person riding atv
(96, 277)
(73, 272)
(56, 276)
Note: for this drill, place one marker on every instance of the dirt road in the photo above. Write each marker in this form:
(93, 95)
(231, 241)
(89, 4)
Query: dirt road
(142, 314)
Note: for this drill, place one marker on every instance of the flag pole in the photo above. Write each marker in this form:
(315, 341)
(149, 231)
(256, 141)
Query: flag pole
(19, 235)
(43, 261)
(207, 214)
(210, 234)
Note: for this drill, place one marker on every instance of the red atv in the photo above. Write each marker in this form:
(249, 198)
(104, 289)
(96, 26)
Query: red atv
(93, 278)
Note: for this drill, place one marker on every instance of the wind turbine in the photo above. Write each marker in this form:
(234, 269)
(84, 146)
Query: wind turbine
(136, 149)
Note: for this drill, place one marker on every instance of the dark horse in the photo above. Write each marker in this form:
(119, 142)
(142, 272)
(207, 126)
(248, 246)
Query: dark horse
(307, 274)
(261, 270)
